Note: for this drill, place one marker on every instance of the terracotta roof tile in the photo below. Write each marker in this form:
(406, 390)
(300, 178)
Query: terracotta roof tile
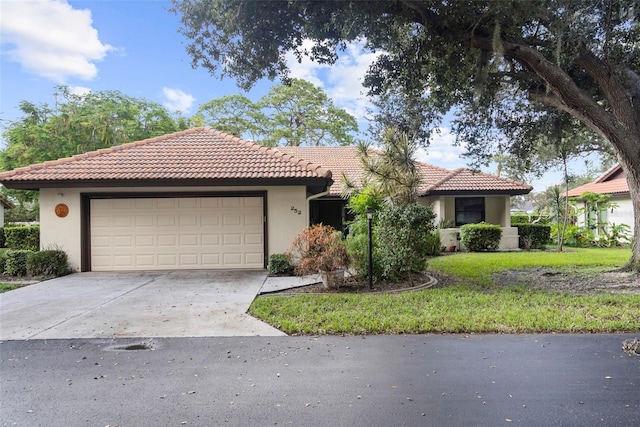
(435, 179)
(467, 180)
(205, 154)
(612, 181)
(195, 154)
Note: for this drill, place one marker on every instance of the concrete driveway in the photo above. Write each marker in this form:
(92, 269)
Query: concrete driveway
(193, 303)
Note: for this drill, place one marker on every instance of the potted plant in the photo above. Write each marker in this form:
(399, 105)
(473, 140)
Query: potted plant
(320, 249)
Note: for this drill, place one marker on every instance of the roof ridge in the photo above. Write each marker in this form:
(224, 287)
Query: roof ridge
(297, 161)
(612, 170)
(99, 152)
(512, 181)
(444, 179)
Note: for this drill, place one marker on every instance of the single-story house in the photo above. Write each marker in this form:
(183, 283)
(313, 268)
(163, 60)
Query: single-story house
(458, 197)
(203, 199)
(614, 183)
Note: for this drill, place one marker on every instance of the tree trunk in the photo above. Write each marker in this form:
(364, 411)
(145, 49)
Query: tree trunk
(631, 169)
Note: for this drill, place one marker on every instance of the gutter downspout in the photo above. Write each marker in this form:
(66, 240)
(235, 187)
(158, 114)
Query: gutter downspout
(310, 198)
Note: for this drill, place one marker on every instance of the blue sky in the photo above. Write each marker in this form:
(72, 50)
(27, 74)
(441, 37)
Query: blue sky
(134, 47)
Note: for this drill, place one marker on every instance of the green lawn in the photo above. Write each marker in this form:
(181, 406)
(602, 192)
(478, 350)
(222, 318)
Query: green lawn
(474, 306)
(4, 287)
(477, 268)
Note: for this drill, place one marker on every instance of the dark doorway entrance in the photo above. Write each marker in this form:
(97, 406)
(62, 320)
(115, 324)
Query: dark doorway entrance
(331, 212)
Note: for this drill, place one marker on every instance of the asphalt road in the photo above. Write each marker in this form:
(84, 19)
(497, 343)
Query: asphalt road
(426, 380)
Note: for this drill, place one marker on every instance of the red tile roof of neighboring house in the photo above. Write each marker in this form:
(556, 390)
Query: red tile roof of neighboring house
(345, 160)
(612, 181)
(195, 154)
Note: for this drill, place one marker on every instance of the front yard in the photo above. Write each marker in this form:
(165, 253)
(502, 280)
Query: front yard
(482, 293)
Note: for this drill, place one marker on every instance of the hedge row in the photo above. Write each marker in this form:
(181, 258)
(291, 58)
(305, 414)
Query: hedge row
(20, 262)
(523, 218)
(22, 237)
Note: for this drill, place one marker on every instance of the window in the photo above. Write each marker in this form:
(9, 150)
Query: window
(469, 210)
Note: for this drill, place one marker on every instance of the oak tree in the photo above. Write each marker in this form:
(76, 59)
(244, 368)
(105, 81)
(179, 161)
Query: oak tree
(503, 65)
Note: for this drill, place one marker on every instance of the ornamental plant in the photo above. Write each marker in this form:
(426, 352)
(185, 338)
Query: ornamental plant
(318, 248)
(481, 236)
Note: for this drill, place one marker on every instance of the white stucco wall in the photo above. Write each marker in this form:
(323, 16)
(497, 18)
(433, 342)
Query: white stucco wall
(497, 208)
(623, 214)
(283, 223)
(508, 241)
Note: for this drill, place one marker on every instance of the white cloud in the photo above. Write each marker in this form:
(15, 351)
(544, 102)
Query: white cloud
(51, 39)
(79, 90)
(342, 81)
(442, 151)
(177, 100)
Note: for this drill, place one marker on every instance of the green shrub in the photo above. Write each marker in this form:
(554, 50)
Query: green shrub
(358, 247)
(402, 236)
(433, 243)
(49, 263)
(16, 264)
(481, 236)
(533, 236)
(2, 240)
(523, 218)
(279, 264)
(23, 237)
(3, 261)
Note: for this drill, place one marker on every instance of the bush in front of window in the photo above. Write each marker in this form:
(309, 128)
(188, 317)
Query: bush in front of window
(481, 236)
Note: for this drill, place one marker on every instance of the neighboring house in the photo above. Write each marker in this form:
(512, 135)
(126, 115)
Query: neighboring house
(6, 204)
(204, 199)
(613, 183)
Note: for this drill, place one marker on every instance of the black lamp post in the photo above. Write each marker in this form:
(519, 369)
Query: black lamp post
(370, 276)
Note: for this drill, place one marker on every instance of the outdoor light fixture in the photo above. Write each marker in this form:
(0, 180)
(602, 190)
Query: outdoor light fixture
(370, 276)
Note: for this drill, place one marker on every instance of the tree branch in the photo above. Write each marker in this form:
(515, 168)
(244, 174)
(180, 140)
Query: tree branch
(567, 95)
(553, 100)
(619, 98)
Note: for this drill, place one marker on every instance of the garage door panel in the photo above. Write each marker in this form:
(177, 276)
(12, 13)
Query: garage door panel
(167, 260)
(211, 240)
(253, 239)
(167, 241)
(173, 233)
(189, 240)
(122, 221)
(211, 260)
(122, 241)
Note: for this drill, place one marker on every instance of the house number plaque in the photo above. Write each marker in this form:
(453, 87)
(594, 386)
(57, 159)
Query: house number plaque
(62, 210)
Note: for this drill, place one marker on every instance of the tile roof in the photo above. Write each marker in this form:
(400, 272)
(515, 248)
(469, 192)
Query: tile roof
(205, 155)
(195, 154)
(612, 181)
(435, 179)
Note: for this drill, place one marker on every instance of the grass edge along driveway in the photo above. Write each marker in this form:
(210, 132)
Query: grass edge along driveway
(474, 305)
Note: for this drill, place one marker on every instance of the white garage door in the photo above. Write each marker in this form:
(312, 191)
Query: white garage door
(177, 233)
